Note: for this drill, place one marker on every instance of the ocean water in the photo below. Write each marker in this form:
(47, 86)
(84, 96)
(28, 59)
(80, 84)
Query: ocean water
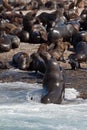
(19, 112)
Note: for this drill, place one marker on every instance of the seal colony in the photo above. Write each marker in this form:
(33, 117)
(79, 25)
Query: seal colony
(54, 32)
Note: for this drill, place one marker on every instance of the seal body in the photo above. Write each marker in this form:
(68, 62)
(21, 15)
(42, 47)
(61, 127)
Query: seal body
(21, 59)
(66, 31)
(79, 56)
(80, 36)
(38, 34)
(83, 20)
(15, 41)
(37, 63)
(5, 44)
(24, 36)
(53, 82)
(81, 51)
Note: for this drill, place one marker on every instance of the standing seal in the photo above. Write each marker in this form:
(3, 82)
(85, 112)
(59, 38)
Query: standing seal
(53, 81)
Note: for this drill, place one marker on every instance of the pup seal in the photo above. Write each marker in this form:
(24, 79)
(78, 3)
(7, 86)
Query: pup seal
(53, 81)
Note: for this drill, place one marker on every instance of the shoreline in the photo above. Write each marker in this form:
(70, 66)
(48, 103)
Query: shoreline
(73, 78)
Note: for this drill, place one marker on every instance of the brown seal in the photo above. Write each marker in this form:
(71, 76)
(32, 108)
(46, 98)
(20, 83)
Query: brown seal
(53, 81)
(55, 49)
(58, 48)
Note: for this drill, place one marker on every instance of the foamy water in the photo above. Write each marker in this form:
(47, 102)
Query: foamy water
(19, 112)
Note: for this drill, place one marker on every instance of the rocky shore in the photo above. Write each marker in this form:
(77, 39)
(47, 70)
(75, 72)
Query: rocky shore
(74, 78)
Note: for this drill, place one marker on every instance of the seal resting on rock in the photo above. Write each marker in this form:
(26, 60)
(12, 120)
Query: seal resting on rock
(37, 63)
(53, 81)
(24, 36)
(55, 49)
(58, 48)
(80, 36)
(29, 20)
(38, 34)
(47, 19)
(8, 42)
(5, 44)
(15, 41)
(21, 59)
(66, 31)
(79, 56)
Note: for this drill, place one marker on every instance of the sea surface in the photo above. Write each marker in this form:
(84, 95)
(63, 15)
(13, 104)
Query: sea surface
(20, 109)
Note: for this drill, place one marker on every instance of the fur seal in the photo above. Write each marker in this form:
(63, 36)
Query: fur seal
(79, 56)
(38, 34)
(29, 20)
(57, 51)
(21, 59)
(80, 36)
(53, 81)
(15, 41)
(24, 36)
(47, 19)
(37, 63)
(83, 19)
(5, 44)
(66, 31)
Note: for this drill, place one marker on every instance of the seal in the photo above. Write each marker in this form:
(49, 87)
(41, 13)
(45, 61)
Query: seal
(24, 36)
(47, 19)
(37, 63)
(58, 48)
(38, 34)
(15, 41)
(42, 47)
(79, 56)
(53, 81)
(80, 36)
(5, 44)
(55, 49)
(21, 60)
(29, 20)
(83, 19)
(66, 31)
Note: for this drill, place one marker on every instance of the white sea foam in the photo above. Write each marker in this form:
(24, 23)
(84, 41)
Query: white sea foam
(21, 113)
(18, 91)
